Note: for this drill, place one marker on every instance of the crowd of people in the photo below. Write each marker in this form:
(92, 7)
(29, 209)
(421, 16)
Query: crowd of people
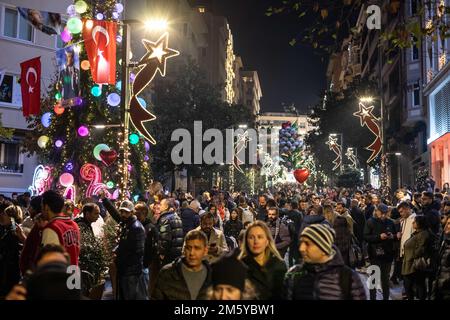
(289, 243)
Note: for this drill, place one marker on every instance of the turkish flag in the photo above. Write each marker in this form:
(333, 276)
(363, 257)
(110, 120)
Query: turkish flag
(30, 83)
(100, 43)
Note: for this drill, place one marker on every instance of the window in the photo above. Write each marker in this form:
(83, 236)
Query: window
(415, 49)
(9, 158)
(416, 95)
(15, 26)
(302, 125)
(201, 10)
(10, 91)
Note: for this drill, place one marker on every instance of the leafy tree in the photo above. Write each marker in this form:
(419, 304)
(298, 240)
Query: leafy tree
(334, 114)
(179, 102)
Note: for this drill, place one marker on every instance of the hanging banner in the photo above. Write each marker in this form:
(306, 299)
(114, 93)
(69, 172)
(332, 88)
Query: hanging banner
(68, 63)
(47, 22)
(30, 82)
(100, 43)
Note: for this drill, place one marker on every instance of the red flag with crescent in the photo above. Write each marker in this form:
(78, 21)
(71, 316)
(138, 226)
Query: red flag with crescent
(100, 44)
(30, 83)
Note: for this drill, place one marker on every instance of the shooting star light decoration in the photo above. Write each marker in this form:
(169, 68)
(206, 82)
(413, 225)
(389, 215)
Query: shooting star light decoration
(332, 144)
(241, 143)
(367, 118)
(153, 61)
(352, 157)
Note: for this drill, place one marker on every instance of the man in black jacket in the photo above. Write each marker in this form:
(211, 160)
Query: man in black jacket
(360, 221)
(189, 216)
(430, 209)
(151, 242)
(188, 277)
(297, 218)
(261, 211)
(379, 234)
(130, 252)
(170, 231)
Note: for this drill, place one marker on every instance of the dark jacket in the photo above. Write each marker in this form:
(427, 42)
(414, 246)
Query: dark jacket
(433, 217)
(9, 259)
(151, 243)
(280, 234)
(171, 285)
(232, 228)
(297, 217)
(313, 219)
(441, 290)
(415, 247)
(190, 219)
(323, 282)
(379, 250)
(360, 222)
(343, 238)
(84, 225)
(368, 211)
(170, 232)
(261, 213)
(267, 280)
(130, 252)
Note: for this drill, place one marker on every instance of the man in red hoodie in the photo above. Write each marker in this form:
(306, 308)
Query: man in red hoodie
(60, 228)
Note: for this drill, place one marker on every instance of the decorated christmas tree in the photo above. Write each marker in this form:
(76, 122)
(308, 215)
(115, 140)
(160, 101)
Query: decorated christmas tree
(78, 134)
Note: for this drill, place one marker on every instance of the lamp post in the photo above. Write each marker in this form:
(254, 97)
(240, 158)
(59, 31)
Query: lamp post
(125, 96)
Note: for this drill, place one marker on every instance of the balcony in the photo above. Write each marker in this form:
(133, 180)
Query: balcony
(11, 168)
(413, 115)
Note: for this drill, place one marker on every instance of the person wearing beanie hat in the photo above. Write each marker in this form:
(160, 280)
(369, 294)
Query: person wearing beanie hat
(322, 274)
(228, 285)
(379, 234)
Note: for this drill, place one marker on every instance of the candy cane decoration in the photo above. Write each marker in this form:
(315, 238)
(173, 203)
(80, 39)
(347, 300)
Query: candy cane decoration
(332, 143)
(93, 174)
(367, 118)
(42, 180)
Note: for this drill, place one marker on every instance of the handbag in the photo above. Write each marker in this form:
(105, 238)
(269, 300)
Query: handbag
(355, 254)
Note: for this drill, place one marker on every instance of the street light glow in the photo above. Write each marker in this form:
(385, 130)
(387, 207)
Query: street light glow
(398, 154)
(366, 99)
(243, 126)
(156, 24)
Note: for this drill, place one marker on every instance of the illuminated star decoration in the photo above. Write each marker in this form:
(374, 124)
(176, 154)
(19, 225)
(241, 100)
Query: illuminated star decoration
(332, 144)
(352, 157)
(153, 61)
(366, 118)
(240, 144)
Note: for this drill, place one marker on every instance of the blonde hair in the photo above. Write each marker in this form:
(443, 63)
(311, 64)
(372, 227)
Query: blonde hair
(15, 212)
(271, 249)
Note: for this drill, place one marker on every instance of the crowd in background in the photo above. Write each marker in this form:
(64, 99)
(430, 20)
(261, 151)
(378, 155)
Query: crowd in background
(289, 243)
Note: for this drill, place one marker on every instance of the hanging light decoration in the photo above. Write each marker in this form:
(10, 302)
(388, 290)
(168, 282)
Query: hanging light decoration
(74, 25)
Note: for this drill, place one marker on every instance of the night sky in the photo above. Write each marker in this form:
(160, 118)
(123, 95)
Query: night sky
(287, 74)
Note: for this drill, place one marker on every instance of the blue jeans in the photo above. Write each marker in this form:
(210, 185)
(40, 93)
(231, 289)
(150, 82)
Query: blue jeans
(133, 287)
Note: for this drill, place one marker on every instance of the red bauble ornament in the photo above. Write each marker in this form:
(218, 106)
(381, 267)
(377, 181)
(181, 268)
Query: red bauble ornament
(301, 175)
(108, 157)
